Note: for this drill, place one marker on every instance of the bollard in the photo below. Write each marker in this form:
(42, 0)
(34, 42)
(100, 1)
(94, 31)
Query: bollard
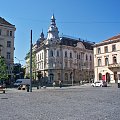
(27, 88)
(37, 87)
(118, 85)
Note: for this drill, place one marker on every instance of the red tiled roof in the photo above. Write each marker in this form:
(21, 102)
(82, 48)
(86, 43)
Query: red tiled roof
(3, 21)
(113, 38)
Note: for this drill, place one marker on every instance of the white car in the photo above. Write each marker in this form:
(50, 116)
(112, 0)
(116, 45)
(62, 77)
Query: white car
(99, 84)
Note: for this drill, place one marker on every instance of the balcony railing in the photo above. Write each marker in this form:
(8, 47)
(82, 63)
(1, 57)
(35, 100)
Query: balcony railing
(114, 65)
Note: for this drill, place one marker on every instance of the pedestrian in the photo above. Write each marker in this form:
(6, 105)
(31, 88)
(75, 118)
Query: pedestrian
(54, 84)
(60, 83)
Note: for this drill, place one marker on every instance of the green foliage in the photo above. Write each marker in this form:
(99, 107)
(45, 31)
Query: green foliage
(27, 56)
(3, 69)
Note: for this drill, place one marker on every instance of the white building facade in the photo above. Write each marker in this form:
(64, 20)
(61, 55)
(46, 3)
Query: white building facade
(63, 58)
(107, 60)
(7, 35)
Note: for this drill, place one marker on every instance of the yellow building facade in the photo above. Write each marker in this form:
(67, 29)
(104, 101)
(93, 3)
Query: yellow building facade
(107, 60)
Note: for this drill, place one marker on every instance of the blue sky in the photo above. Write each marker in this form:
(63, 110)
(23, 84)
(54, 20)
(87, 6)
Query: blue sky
(92, 20)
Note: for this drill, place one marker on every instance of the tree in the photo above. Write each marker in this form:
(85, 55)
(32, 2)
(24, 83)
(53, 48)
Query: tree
(3, 69)
(27, 58)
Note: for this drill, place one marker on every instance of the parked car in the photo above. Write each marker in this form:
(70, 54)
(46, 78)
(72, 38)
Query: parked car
(99, 84)
(2, 84)
(22, 82)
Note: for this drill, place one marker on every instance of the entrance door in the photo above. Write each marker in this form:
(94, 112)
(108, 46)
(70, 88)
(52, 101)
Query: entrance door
(115, 77)
(108, 77)
(51, 78)
(100, 76)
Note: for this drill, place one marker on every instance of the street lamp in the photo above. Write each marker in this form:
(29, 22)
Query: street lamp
(1, 50)
(19, 66)
(71, 74)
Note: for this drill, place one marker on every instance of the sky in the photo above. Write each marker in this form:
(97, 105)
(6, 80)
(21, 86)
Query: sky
(92, 20)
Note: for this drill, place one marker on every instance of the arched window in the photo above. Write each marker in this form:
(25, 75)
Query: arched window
(70, 55)
(86, 57)
(79, 56)
(90, 58)
(58, 76)
(114, 60)
(42, 55)
(38, 57)
(65, 53)
(99, 62)
(57, 53)
(106, 61)
(51, 53)
(100, 76)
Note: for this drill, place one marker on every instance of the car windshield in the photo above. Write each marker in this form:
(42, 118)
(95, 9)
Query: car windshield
(18, 81)
(97, 82)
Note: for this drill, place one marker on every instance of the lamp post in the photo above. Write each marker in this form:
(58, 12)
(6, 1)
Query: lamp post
(19, 66)
(31, 62)
(1, 50)
(72, 77)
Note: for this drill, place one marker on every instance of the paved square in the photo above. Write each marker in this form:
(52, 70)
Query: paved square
(79, 103)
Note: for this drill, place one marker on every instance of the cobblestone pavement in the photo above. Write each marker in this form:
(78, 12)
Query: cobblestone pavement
(73, 103)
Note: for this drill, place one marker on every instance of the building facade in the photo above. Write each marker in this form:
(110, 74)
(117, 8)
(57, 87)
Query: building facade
(7, 31)
(62, 58)
(107, 60)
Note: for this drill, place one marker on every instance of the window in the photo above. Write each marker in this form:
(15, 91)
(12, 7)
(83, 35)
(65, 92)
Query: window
(106, 61)
(10, 33)
(66, 76)
(79, 56)
(113, 48)
(0, 32)
(98, 50)
(79, 66)
(57, 53)
(8, 55)
(86, 57)
(42, 65)
(75, 54)
(114, 60)
(58, 76)
(8, 43)
(90, 58)
(100, 76)
(106, 49)
(70, 55)
(65, 53)
(99, 62)
(66, 64)
(42, 55)
(51, 53)
(38, 66)
(38, 57)
(70, 64)
(7, 32)
(51, 77)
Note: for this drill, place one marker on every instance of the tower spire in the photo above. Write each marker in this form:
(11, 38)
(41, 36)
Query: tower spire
(42, 35)
(53, 30)
(53, 20)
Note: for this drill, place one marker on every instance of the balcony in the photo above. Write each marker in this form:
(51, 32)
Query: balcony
(114, 65)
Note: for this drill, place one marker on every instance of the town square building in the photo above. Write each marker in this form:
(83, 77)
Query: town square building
(107, 60)
(62, 58)
(7, 36)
